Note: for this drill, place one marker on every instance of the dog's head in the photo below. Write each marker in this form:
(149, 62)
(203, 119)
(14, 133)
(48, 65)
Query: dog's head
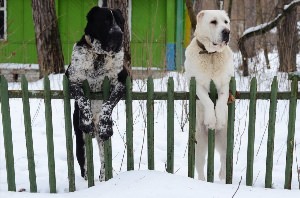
(106, 26)
(213, 29)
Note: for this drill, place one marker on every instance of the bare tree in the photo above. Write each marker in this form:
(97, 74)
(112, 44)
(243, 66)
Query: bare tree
(49, 50)
(123, 6)
(287, 36)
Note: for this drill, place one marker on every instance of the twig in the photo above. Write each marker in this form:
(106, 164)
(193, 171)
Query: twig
(237, 187)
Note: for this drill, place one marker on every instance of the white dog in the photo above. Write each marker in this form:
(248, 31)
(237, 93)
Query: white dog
(208, 57)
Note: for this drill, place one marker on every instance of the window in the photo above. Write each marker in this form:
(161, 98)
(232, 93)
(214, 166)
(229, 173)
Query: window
(2, 19)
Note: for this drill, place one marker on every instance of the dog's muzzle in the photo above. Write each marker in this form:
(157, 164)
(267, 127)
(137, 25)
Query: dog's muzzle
(115, 37)
(225, 35)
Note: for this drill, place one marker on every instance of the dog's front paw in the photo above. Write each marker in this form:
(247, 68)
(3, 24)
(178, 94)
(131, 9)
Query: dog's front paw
(221, 114)
(210, 120)
(105, 128)
(87, 128)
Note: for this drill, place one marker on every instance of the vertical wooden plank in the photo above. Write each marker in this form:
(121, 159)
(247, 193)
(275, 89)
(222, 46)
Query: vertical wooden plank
(150, 123)
(68, 131)
(290, 142)
(271, 133)
(192, 128)
(7, 135)
(211, 139)
(89, 145)
(107, 143)
(28, 134)
(230, 133)
(251, 132)
(129, 125)
(49, 134)
(170, 126)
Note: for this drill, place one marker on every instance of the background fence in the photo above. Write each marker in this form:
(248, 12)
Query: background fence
(149, 96)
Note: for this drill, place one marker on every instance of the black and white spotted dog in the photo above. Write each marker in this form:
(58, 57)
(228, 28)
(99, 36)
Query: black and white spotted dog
(97, 54)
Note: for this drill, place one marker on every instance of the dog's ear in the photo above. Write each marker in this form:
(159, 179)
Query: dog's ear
(200, 15)
(91, 15)
(119, 18)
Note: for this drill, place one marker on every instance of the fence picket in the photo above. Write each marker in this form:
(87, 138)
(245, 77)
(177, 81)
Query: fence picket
(150, 123)
(192, 128)
(129, 125)
(230, 132)
(271, 133)
(211, 139)
(251, 132)
(28, 134)
(68, 131)
(107, 143)
(290, 142)
(7, 135)
(89, 144)
(170, 126)
(49, 134)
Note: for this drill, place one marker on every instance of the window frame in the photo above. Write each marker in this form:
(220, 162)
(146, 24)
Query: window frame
(4, 9)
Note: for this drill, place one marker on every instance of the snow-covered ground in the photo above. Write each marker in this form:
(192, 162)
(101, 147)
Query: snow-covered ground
(156, 183)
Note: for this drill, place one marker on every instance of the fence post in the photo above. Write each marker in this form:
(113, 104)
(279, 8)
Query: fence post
(192, 128)
(230, 132)
(251, 132)
(129, 125)
(89, 144)
(271, 133)
(49, 134)
(107, 143)
(150, 123)
(291, 131)
(211, 139)
(170, 126)
(68, 131)
(7, 135)
(28, 134)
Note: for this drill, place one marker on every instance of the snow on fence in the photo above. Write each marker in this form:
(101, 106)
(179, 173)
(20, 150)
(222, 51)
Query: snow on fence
(150, 96)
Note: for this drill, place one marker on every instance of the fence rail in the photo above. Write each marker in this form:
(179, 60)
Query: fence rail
(170, 96)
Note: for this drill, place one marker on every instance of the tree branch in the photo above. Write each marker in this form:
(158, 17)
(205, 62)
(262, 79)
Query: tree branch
(192, 16)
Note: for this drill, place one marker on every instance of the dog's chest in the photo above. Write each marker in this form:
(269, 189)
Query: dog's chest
(94, 67)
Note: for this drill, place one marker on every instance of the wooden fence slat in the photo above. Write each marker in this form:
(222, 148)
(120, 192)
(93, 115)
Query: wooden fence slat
(271, 133)
(230, 133)
(49, 134)
(192, 128)
(68, 131)
(107, 143)
(7, 135)
(129, 125)
(290, 142)
(28, 135)
(170, 126)
(251, 132)
(89, 145)
(150, 123)
(211, 139)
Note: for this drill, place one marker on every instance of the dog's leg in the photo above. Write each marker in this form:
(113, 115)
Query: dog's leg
(221, 146)
(105, 123)
(208, 107)
(80, 143)
(221, 107)
(102, 159)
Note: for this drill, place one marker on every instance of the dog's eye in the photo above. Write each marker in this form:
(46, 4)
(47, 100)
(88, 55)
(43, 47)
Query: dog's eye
(225, 21)
(214, 22)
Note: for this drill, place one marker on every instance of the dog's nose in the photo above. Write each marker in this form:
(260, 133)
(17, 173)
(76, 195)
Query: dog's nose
(225, 35)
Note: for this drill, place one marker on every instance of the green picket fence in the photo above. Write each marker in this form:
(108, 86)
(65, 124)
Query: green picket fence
(170, 96)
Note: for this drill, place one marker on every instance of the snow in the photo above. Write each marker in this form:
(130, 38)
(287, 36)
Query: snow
(158, 183)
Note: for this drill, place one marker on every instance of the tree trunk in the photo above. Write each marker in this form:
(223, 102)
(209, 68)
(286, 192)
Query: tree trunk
(49, 50)
(123, 6)
(287, 38)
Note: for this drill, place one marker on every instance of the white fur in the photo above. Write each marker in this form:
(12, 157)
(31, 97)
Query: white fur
(218, 67)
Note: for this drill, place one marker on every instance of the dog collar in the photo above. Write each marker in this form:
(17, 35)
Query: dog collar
(204, 50)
